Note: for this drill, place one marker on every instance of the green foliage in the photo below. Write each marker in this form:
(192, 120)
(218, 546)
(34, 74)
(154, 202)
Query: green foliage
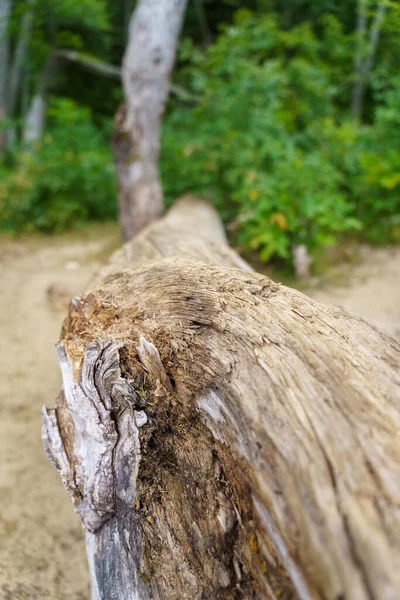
(69, 179)
(380, 162)
(91, 14)
(271, 142)
(250, 148)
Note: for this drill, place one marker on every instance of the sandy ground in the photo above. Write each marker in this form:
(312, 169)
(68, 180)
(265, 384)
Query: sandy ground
(370, 287)
(42, 551)
(41, 542)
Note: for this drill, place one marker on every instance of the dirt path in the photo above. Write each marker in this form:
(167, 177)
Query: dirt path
(41, 542)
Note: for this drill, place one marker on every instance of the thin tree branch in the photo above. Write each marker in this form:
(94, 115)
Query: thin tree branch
(104, 69)
(90, 63)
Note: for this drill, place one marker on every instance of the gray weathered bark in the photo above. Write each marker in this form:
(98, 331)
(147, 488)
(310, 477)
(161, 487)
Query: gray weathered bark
(146, 69)
(221, 435)
(35, 117)
(17, 67)
(365, 53)
(19, 56)
(5, 11)
(34, 120)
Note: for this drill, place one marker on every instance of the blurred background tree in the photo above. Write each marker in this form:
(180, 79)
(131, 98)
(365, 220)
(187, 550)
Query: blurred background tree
(285, 114)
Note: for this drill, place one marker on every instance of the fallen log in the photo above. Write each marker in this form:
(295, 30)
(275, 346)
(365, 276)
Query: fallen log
(224, 436)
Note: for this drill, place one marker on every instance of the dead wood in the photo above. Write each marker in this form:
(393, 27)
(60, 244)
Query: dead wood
(224, 436)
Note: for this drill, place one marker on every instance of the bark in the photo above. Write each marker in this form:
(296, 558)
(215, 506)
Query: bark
(365, 54)
(5, 10)
(17, 69)
(34, 120)
(221, 435)
(35, 117)
(146, 69)
(19, 57)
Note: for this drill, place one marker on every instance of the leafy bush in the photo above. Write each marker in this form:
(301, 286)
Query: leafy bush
(380, 161)
(271, 142)
(68, 179)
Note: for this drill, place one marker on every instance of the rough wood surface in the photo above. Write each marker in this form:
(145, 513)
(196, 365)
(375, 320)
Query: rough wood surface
(223, 436)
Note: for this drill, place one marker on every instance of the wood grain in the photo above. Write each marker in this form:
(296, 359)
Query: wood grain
(267, 461)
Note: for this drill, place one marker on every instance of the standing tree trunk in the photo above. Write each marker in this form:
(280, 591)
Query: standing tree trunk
(34, 120)
(17, 66)
(5, 11)
(146, 70)
(365, 53)
(19, 57)
(35, 117)
(223, 436)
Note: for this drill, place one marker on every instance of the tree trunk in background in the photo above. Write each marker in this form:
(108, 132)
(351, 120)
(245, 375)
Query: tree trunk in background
(223, 436)
(17, 66)
(5, 11)
(20, 53)
(365, 53)
(36, 115)
(146, 70)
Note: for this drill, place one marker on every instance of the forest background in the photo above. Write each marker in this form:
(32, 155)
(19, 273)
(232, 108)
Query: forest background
(285, 114)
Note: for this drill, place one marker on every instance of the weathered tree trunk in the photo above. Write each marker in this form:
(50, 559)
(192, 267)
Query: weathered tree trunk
(17, 67)
(35, 117)
(365, 53)
(19, 56)
(221, 435)
(146, 69)
(5, 10)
